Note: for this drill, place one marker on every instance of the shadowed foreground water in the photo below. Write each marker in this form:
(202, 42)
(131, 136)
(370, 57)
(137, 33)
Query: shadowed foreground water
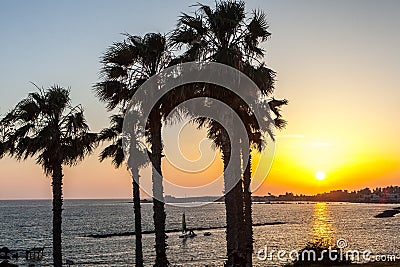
(26, 224)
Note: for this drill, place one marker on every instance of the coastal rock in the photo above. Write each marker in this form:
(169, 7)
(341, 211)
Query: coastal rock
(388, 213)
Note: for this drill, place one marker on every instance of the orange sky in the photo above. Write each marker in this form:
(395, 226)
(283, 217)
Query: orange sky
(347, 164)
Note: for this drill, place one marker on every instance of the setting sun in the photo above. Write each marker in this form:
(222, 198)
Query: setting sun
(320, 175)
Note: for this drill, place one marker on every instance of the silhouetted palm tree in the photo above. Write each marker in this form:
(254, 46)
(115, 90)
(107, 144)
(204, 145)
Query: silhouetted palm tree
(126, 66)
(45, 126)
(257, 144)
(115, 151)
(224, 35)
(218, 134)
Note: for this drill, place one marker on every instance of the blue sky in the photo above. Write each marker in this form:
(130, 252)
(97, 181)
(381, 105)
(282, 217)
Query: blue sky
(49, 42)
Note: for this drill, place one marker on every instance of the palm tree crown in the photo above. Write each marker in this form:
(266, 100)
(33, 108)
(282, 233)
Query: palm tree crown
(224, 35)
(127, 65)
(45, 125)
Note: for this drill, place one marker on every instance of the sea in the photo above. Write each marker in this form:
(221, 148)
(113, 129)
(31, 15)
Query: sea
(25, 224)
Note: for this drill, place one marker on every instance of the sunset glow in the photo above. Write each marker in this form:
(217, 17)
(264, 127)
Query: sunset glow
(342, 113)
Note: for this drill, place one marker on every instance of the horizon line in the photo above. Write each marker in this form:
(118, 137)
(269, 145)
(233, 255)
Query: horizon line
(149, 198)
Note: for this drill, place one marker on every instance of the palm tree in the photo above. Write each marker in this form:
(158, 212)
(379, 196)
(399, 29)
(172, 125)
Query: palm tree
(257, 144)
(233, 200)
(224, 35)
(217, 133)
(115, 151)
(45, 126)
(126, 66)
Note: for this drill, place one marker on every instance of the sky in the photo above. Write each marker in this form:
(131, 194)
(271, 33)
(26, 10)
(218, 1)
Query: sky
(337, 63)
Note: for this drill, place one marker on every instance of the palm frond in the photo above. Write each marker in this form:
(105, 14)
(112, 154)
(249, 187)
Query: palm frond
(57, 100)
(117, 122)
(2, 149)
(45, 126)
(262, 76)
(231, 12)
(205, 10)
(120, 54)
(280, 123)
(27, 110)
(192, 22)
(257, 31)
(75, 122)
(107, 134)
(275, 105)
(114, 72)
(115, 152)
(183, 36)
(111, 92)
(23, 130)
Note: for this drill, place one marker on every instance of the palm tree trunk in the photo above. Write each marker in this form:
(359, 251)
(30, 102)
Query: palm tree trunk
(138, 219)
(238, 196)
(158, 194)
(231, 230)
(248, 225)
(57, 217)
(233, 203)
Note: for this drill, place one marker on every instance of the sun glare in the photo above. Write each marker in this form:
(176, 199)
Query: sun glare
(320, 175)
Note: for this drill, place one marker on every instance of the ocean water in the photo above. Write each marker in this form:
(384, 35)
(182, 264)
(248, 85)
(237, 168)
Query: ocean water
(27, 224)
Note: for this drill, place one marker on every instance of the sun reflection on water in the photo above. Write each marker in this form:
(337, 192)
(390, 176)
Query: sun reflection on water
(322, 231)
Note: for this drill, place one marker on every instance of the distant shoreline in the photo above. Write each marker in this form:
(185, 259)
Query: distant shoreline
(149, 201)
(386, 195)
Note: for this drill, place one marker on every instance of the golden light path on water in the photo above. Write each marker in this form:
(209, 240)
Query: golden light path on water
(322, 231)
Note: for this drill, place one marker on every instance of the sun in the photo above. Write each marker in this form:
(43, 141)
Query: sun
(320, 175)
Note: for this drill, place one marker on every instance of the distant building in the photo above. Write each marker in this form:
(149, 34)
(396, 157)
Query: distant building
(390, 194)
